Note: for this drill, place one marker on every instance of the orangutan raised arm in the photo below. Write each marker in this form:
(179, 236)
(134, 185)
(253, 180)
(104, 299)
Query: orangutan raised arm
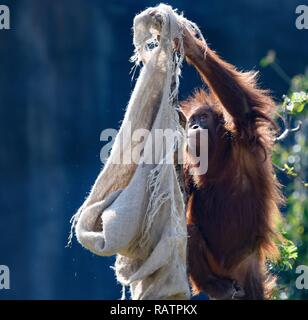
(232, 208)
(237, 91)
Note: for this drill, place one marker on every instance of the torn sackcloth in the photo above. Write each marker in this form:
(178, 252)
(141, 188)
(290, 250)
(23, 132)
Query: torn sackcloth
(136, 211)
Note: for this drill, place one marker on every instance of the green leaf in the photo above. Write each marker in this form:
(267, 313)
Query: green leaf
(299, 107)
(264, 62)
(290, 170)
(268, 59)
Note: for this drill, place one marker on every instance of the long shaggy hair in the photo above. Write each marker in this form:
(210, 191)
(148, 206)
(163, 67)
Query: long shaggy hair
(232, 210)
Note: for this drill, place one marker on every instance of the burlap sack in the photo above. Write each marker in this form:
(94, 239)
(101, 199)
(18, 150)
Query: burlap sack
(136, 211)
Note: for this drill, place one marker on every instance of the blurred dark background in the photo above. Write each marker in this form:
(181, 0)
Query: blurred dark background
(64, 77)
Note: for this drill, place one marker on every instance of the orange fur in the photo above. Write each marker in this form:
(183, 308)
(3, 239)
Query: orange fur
(232, 210)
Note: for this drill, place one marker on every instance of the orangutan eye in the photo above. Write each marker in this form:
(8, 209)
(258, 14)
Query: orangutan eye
(203, 118)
